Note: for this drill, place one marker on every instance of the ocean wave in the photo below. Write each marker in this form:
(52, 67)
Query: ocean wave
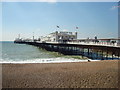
(45, 60)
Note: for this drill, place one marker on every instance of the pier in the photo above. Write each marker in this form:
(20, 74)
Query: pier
(67, 43)
(92, 51)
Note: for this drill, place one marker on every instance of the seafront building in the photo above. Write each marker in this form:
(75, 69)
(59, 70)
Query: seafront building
(60, 36)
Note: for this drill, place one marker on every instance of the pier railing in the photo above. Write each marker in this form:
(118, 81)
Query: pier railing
(89, 43)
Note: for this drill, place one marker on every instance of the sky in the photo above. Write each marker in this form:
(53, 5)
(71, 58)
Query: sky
(93, 19)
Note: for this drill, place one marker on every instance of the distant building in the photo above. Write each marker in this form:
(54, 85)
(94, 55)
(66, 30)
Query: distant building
(61, 36)
(23, 40)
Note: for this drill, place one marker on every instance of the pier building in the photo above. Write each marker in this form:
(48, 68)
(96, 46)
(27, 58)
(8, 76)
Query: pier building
(60, 36)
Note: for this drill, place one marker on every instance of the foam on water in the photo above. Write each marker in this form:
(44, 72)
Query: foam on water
(46, 60)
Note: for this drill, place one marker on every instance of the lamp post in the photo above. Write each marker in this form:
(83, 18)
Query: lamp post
(76, 32)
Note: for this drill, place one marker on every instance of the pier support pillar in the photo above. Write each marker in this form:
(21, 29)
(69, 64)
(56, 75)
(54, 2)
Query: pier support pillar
(118, 56)
(88, 51)
(107, 55)
(112, 55)
(102, 55)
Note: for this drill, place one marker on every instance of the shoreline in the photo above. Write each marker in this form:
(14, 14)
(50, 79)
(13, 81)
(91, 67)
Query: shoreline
(56, 62)
(103, 74)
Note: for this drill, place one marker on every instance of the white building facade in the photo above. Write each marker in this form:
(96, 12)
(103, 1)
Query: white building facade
(61, 36)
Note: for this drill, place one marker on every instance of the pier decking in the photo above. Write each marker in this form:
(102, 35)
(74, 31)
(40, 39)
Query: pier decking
(92, 51)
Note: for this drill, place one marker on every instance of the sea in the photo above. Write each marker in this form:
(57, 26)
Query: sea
(11, 52)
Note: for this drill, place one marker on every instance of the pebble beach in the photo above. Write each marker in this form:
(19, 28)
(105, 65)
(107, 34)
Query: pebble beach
(96, 74)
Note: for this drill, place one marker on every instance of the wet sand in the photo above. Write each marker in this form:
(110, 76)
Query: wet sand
(100, 74)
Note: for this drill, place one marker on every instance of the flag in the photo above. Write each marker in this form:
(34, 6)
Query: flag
(58, 27)
(76, 27)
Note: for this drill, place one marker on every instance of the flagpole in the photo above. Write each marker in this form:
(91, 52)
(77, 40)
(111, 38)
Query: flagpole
(76, 32)
(58, 27)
